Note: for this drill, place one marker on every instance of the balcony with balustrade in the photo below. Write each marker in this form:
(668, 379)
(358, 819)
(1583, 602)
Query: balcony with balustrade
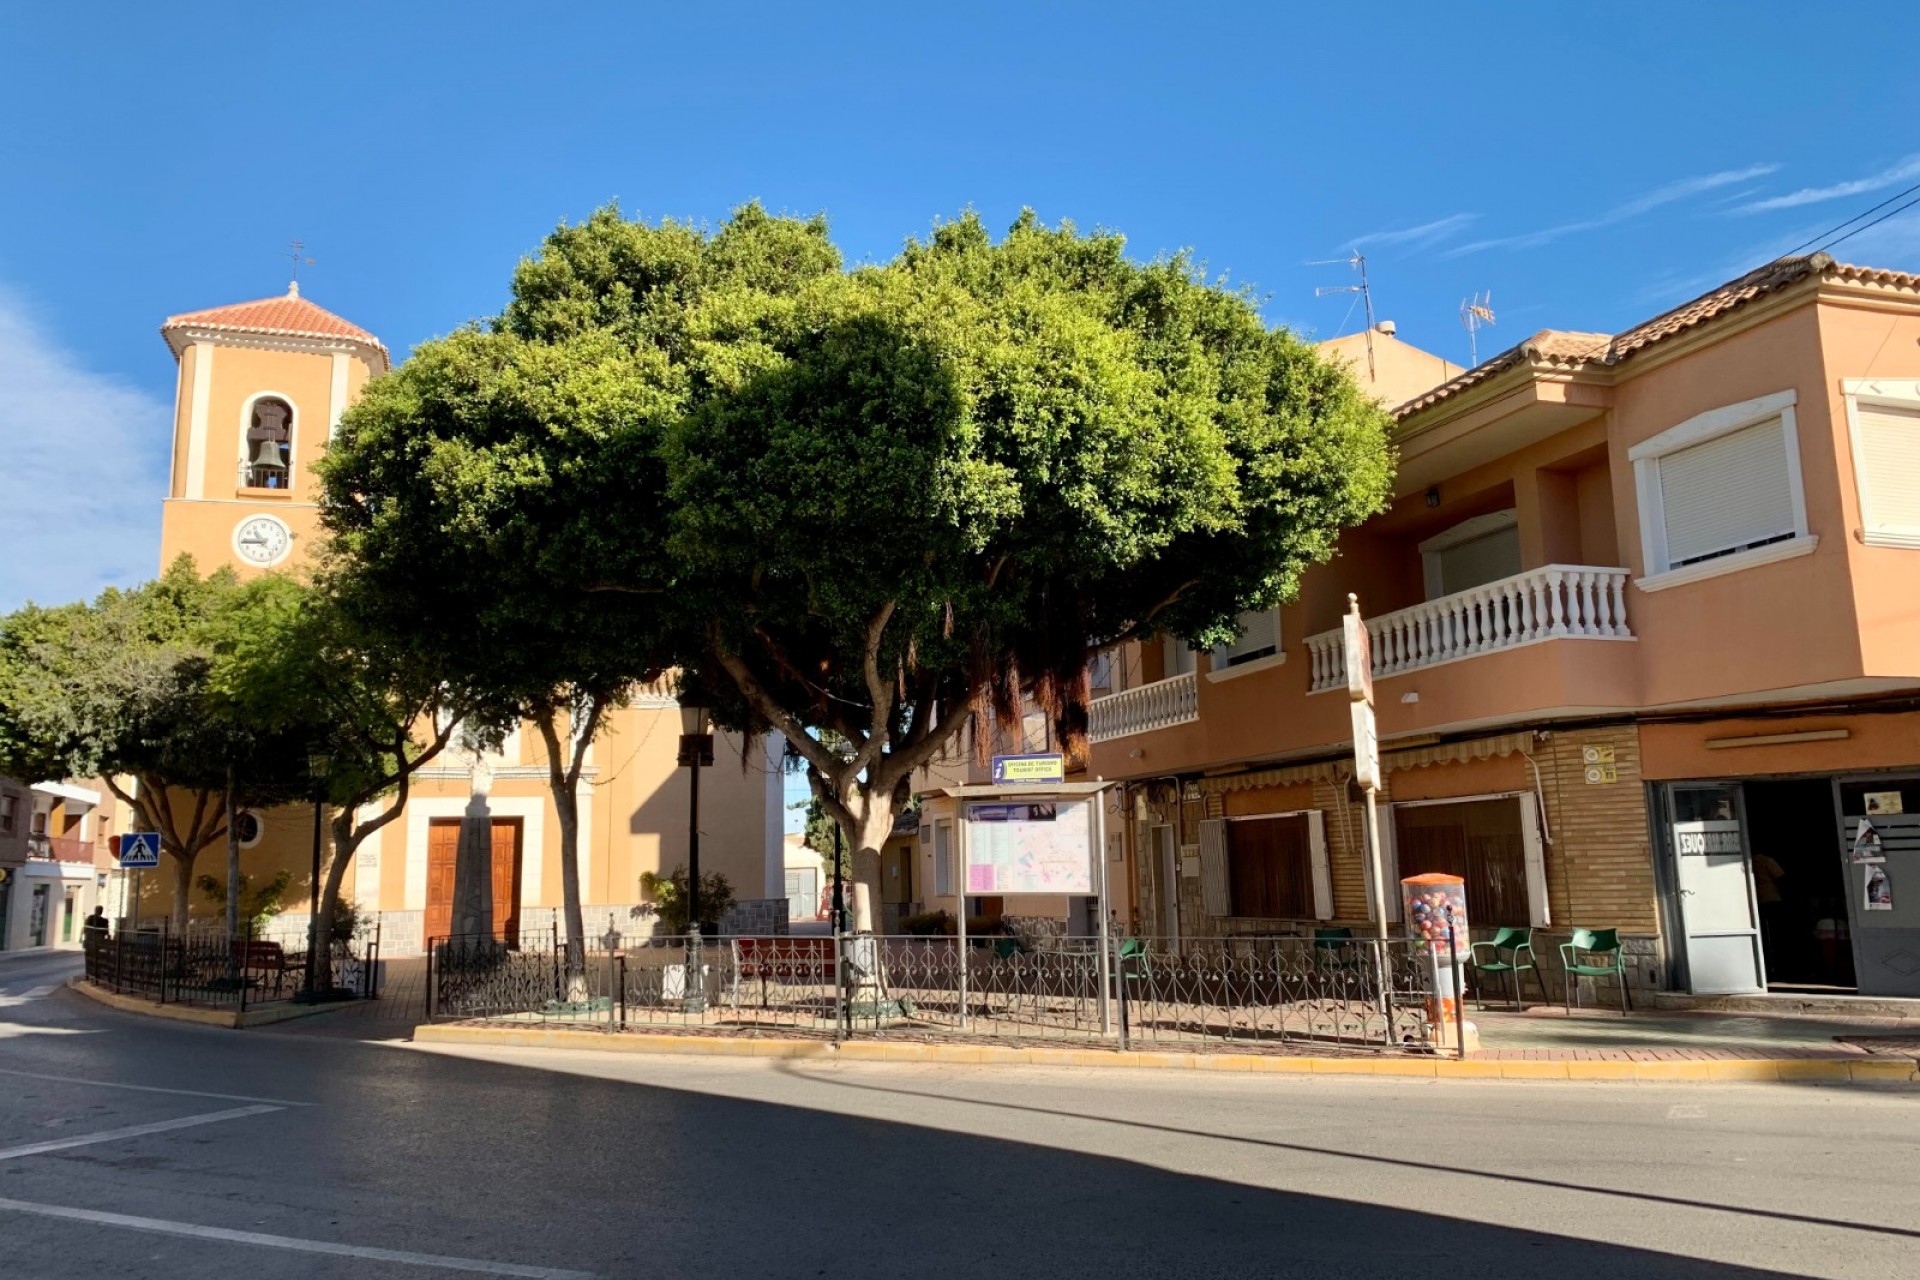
(1553, 602)
(1161, 704)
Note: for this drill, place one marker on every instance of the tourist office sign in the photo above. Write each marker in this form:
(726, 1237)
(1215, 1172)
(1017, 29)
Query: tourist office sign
(1048, 767)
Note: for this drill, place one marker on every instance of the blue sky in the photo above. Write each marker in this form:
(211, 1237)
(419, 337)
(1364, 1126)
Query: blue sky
(1589, 165)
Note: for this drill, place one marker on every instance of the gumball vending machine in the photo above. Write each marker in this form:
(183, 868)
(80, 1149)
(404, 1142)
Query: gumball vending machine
(1434, 907)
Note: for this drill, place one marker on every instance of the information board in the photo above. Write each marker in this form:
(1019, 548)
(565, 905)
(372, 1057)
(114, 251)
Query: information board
(1030, 846)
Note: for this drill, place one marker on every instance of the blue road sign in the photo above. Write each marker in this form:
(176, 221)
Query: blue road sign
(140, 849)
(1031, 768)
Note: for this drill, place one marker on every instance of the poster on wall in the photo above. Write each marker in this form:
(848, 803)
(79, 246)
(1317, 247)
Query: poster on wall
(1029, 847)
(1884, 802)
(1866, 844)
(1879, 891)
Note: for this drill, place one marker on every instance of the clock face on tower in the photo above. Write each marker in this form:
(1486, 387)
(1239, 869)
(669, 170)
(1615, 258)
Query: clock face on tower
(262, 541)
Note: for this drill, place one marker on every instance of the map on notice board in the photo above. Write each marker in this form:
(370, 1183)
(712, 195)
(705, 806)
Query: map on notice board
(1038, 846)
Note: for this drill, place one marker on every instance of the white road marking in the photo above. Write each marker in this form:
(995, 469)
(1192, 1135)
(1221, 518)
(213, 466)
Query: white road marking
(194, 1231)
(1686, 1111)
(132, 1131)
(151, 1088)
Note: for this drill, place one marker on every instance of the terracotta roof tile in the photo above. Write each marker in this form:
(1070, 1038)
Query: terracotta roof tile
(1572, 350)
(288, 316)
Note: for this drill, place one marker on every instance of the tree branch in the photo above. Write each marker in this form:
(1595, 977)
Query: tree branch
(809, 747)
(879, 690)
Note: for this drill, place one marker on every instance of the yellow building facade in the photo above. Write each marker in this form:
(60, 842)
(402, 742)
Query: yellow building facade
(262, 386)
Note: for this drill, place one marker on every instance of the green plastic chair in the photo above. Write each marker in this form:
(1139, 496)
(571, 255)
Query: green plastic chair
(1333, 949)
(1513, 942)
(1595, 942)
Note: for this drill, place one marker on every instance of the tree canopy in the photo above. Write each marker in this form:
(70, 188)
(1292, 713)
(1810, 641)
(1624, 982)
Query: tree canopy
(858, 505)
(129, 686)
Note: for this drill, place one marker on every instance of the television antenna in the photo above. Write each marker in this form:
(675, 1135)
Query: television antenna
(1476, 313)
(1359, 263)
(296, 249)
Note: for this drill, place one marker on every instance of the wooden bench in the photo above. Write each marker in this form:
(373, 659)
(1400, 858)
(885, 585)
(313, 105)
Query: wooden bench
(263, 957)
(802, 959)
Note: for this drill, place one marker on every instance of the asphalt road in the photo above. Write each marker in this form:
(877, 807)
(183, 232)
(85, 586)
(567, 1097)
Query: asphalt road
(135, 1148)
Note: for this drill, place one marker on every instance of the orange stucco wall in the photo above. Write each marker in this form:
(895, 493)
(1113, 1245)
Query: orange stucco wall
(1819, 625)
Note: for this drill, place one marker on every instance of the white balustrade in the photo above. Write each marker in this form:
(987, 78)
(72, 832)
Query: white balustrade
(1151, 706)
(1558, 600)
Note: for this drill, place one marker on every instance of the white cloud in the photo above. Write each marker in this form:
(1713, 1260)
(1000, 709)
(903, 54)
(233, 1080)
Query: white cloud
(1905, 171)
(1417, 237)
(85, 461)
(1683, 189)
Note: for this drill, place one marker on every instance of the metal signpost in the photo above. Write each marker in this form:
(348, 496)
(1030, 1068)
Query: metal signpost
(137, 851)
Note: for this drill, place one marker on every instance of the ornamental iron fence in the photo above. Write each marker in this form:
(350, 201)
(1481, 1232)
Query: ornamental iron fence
(1245, 991)
(211, 970)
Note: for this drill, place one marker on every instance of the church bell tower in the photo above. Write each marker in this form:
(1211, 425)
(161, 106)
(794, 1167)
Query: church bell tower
(262, 387)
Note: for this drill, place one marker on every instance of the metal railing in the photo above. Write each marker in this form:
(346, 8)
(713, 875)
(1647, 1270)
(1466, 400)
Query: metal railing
(1175, 700)
(211, 970)
(1341, 993)
(1556, 601)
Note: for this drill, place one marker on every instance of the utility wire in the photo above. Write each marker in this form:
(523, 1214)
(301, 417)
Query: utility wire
(1898, 195)
(1876, 222)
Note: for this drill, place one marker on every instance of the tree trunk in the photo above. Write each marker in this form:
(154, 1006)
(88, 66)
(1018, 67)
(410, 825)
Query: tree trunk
(563, 779)
(182, 889)
(567, 804)
(873, 822)
(233, 881)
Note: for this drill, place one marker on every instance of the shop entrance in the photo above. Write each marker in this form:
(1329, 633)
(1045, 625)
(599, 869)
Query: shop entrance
(1799, 885)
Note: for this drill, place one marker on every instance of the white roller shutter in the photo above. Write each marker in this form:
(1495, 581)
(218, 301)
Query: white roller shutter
(1215, 897)
(1322, 868)
(1731, 492)
(1887, 461)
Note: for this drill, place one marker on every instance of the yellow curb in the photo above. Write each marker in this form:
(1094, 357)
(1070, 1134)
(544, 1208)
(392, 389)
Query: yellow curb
(1602, 1070)
(1678, 1070)
(1813, 1069)
(228, 1018)
(1667, 1071)
(1879, 1072)
(1524, 1070)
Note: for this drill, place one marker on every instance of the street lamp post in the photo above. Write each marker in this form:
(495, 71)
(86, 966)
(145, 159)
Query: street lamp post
(696, 749)
(317, 768)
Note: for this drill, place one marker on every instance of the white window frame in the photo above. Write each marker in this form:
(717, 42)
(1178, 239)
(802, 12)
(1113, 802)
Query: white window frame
(1533, 849)
(1171, 647)
(1655, 574)
(259, 827)
(1466, 531)
(293, 432)
(1319, 861)
(1890, 393)
(1217, 668)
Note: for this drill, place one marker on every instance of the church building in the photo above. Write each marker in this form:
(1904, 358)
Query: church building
(262, 386)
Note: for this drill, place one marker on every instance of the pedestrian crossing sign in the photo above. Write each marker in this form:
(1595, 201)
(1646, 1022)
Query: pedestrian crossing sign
(140, 849)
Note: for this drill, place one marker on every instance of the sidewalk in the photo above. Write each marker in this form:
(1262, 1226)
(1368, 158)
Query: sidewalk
(1688, 1043)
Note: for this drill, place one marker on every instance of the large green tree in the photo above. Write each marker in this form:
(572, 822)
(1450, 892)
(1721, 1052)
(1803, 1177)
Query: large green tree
(905, 494)
(122, 688)
(470, 497)
(294, 663)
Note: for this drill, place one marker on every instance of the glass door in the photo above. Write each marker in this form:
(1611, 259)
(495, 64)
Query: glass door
(1714, 875)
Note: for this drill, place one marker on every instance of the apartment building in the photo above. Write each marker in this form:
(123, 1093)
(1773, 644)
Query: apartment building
(262, 386)
(53, 862)
(1645, 621)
